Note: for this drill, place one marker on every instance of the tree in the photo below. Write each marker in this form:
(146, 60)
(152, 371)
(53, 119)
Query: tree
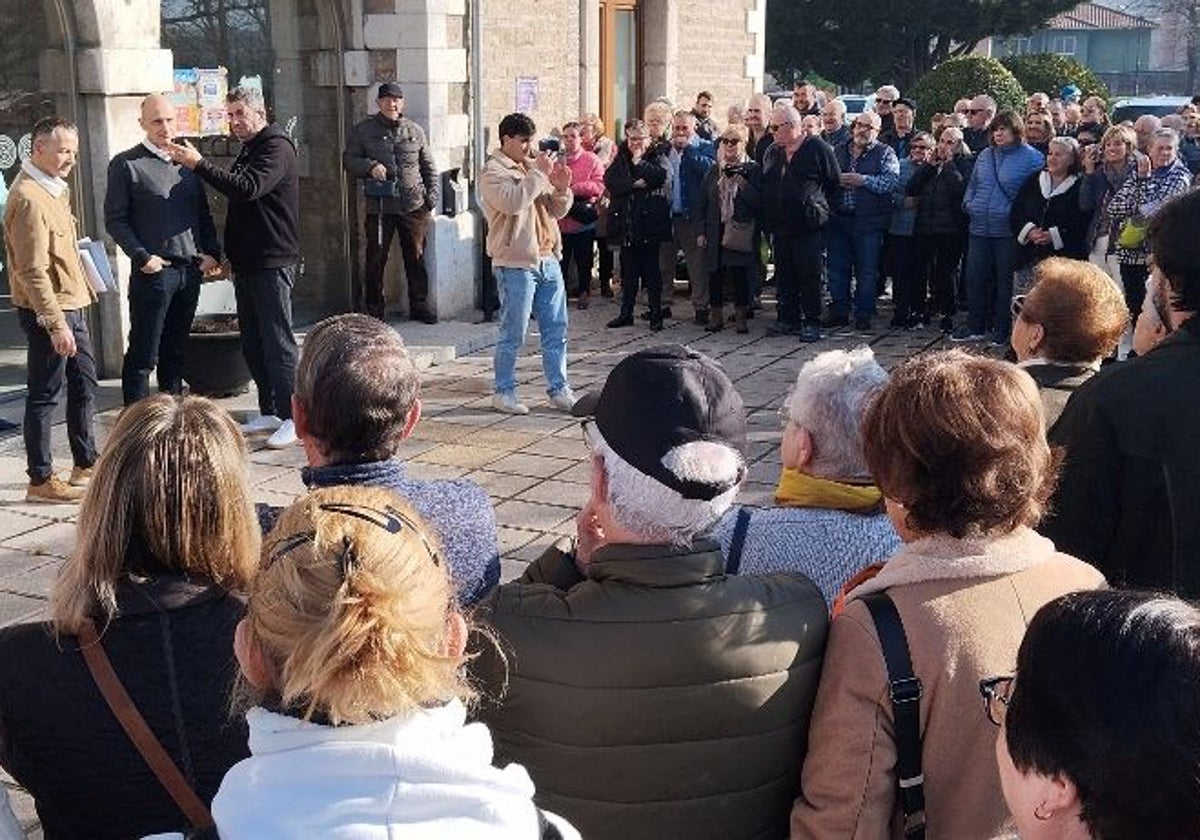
(969, 75)
(889, 40)
(1049, 73)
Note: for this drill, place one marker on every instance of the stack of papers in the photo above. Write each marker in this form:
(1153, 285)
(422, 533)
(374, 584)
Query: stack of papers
(96, 266)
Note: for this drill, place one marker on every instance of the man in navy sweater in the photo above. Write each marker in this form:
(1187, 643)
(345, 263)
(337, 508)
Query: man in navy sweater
(263, 244)
(157, 212)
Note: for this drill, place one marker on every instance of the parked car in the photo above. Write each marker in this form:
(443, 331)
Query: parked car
(1136, 106)
(856, 103)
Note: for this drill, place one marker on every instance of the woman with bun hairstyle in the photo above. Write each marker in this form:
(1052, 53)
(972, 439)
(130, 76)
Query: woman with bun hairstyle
(351, 654)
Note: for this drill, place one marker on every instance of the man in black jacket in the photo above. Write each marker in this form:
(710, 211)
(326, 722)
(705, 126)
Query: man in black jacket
(400, 181)
(800, 182)
(263, 245)
(157, 212)
(1129, 498)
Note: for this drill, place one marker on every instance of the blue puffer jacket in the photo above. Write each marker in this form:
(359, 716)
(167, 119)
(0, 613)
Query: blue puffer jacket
(997, 178)
(872, 202)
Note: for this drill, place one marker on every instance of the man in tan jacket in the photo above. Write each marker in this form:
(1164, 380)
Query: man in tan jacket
(50, 292)
(523, 199)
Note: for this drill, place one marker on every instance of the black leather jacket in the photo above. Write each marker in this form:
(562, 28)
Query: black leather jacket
(403, 150)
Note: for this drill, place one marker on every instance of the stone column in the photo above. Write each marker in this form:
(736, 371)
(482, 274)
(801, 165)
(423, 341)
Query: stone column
(421, 43)
(118, 61)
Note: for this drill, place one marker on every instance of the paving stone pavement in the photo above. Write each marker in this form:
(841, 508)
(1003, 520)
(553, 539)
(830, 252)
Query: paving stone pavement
(533, 466)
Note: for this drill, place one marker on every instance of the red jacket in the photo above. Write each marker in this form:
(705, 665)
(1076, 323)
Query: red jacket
(587, 181)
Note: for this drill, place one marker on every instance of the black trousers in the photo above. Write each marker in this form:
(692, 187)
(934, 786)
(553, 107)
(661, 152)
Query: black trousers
(640, 262)
(908, 278)
(943, 255)
(1133, 278)
(161, 308)
(410, 228)
(46, 371)
(577, 248)
(264, 308)
(798, 277)
(738, 277)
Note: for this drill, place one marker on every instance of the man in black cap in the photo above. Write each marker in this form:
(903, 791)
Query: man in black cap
(648, 693)
(390, 154)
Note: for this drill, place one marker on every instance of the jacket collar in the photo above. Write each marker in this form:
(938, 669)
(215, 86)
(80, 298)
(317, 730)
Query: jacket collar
(1049, 191)
(372, 473)
(162, 593)
(50, 183)
(942, 557)
(658, 565)
(505, 161)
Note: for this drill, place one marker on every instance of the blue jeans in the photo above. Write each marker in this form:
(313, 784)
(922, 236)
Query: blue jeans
(989, 276)
(850, 252)
(540, 292)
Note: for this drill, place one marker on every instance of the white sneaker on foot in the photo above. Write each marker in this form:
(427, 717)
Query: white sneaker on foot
(284, 436)
(564, 399)
(509, 404)
(261, 424)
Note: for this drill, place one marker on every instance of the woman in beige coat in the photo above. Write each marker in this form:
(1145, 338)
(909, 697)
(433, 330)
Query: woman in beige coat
(956, 444)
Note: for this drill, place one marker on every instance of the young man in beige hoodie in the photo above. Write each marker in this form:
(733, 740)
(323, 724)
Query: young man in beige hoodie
(523, 199)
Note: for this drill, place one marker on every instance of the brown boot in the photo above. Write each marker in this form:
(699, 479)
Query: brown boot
(53, 491)
(716, 319)
(739, 319)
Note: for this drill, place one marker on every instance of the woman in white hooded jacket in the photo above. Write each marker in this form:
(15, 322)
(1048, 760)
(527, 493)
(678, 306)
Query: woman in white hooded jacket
(352, 652)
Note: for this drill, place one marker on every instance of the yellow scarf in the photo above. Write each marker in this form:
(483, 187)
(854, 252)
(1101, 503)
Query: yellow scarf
(797, 489)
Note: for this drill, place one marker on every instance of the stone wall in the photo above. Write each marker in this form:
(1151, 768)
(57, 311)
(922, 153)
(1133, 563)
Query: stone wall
(717, 53)
(538, 38)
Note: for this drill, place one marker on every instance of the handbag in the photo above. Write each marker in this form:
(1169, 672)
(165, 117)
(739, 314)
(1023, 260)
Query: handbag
(583, 211)
(139, 732)
(1133, 232)
(738, 236)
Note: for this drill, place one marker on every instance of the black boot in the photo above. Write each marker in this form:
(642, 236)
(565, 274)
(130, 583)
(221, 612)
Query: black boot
(625, 319)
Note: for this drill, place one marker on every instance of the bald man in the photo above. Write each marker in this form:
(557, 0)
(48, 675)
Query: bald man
(157, 212)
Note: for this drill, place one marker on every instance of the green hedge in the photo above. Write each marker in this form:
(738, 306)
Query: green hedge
(1049, 73)
(968, 75)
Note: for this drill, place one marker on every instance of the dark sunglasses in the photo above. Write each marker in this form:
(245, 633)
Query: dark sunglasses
(884, 101)
(730, 141)
(972, 111)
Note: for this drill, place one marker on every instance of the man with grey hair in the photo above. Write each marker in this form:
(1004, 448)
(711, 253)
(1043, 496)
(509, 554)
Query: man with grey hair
(1144, 127)
(979, 122)
(262, 242)
(828, 522)
(631, 653)
(885, 98)
(834, 130)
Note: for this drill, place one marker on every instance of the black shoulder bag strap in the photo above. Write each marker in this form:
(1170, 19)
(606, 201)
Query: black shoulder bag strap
(734, 561)
(905, 690)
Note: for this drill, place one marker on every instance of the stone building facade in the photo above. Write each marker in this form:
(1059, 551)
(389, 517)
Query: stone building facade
(463, 65)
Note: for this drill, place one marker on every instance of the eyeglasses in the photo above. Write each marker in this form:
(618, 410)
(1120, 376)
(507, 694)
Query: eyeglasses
(884, 101)
(1018, 303)
(996, 693)
(730, 141)
(863, 125)
(777, 126)
(972, 111)
(919, 148)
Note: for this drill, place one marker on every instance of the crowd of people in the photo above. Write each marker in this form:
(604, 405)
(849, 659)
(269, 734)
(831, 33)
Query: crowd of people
(683, 666)
(961, 529)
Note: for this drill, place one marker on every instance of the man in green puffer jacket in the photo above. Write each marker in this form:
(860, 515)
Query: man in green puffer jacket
(649, 694)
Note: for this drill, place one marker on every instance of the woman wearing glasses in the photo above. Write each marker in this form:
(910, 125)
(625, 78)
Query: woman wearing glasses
(352, 654)
(1069, 321)
(728, 209)
(956, 443)
(1097, 734)
(166, 531)
(639, 217)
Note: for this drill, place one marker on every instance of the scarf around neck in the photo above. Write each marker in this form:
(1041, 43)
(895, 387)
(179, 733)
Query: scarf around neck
(798, 489)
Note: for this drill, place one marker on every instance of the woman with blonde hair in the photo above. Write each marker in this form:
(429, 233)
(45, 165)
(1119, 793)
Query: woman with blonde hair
(165, 531)
(353, 650)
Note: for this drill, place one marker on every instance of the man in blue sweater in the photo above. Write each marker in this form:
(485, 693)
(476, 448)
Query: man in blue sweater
(157, 213)
(356, 400)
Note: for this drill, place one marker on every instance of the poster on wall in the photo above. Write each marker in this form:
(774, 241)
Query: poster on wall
(199, 100)
(527, 94)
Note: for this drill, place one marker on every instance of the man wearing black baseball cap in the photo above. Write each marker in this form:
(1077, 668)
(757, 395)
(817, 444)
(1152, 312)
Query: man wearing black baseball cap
(631, 654)
(390, 154)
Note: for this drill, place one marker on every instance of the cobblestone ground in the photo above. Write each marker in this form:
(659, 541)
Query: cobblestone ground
(533, 466)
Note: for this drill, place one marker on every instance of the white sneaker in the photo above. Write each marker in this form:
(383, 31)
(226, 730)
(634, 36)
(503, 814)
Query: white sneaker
(509, 404)
(284, 436)
(564, 399)
(262, 424)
